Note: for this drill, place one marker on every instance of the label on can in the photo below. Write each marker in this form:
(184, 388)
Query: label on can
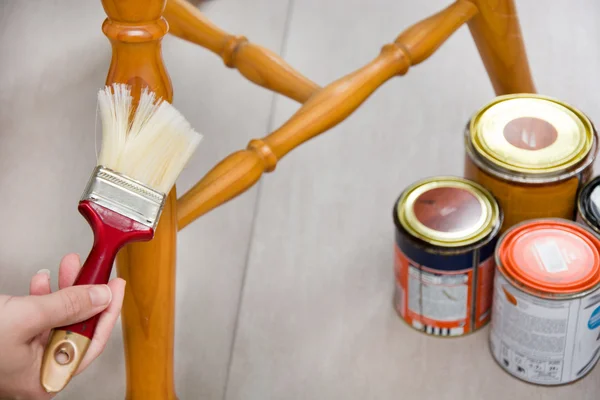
(544, 341)
(442, 302)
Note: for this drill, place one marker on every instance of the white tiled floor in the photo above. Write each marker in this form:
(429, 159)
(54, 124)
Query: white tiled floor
(285, 292)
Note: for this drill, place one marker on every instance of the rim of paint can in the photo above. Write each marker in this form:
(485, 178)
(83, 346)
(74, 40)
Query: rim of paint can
(531, 134)
(553, 256)
(588, 204)
(452, 223)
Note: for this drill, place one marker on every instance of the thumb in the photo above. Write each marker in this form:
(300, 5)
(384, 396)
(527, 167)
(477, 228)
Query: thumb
(64, 307)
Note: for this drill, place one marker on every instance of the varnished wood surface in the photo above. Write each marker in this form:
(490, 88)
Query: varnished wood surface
(315, 318)
(325, 109)
(256, 63)
(135, 29)
(497, 33)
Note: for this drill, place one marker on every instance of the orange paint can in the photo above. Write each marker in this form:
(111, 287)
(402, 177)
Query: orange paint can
(545, 326)
(533, 153)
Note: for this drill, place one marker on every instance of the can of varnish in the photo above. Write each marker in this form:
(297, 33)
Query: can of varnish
(546, 310)
(533, 153)
(446, 231)
(588, 205)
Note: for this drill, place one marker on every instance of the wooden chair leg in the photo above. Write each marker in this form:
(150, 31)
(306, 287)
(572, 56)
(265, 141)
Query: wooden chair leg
(135, 29)
(257, 64)
(324, 109)
(497, 34)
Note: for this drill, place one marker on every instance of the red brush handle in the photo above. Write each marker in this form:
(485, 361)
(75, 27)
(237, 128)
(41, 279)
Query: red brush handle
(111, 232)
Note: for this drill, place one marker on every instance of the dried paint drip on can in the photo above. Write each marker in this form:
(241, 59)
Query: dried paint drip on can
(526, 149)
(546, 310)
(588, 205)
(446, 231)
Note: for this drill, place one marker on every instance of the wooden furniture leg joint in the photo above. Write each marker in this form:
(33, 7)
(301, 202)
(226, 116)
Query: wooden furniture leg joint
(257, 64)
(231, 48)
(324, 109)
(265, 153)
(396, 54)
(135, 33)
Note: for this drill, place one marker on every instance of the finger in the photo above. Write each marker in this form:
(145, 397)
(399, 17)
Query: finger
(40, 283)
(64, 307)
(68, 270)
(106, 323)
(40, 286)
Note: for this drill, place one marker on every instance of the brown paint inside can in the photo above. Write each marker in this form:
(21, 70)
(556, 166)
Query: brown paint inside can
(447, 209)
(530, 133)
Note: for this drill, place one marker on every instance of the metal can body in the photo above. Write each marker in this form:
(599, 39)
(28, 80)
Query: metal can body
(545, 325)
(446, 231)
(533, 156)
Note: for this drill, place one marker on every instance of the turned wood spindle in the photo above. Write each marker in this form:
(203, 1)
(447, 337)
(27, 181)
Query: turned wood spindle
(257, 64)
(135, 29)
(325, 109)
(497, 35)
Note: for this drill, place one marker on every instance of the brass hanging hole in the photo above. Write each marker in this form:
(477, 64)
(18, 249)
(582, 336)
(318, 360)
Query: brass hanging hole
(64, 353)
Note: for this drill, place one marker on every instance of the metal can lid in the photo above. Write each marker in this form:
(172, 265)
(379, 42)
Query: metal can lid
(448, 211)
(551, 256)
(531, 134)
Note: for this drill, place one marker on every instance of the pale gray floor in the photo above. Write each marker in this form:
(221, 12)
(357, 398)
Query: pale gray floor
(284, 293)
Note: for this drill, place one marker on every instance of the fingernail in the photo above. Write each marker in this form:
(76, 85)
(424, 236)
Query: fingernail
(100, 295)
(44, 271)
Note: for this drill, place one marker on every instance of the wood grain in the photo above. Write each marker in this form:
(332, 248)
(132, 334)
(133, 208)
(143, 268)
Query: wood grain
(497, 34)
(325, 109)
(135, 29)
(257, 64)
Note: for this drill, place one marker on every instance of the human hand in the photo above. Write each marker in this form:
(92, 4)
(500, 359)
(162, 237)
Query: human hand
(26, 321)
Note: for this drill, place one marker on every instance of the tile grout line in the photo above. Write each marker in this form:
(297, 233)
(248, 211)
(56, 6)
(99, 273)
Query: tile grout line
(270, 123)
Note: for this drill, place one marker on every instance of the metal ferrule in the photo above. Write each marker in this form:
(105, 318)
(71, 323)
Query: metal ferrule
(125, 196)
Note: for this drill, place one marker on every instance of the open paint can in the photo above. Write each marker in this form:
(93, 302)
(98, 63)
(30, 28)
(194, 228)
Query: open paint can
(446, 231)
(546, 310)
(533, 153)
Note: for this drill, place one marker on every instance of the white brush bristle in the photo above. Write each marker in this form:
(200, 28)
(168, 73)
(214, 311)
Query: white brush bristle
(153, 147)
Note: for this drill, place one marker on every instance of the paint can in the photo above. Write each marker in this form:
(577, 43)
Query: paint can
(527, 149)
(446, 232)
(546, 309)
(588, 205)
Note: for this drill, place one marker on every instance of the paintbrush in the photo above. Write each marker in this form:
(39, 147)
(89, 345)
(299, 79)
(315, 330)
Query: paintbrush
(142, 154)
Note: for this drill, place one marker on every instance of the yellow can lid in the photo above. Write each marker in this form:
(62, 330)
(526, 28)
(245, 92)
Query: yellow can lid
(531, 134)
(448, 211)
